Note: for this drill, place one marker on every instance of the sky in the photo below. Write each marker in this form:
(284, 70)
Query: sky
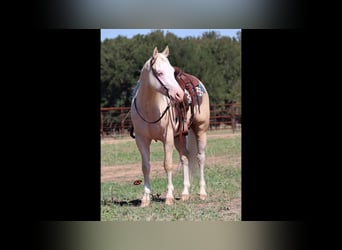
(129, 33)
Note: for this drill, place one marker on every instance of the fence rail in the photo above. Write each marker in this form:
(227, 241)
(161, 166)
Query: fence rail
(117, 120)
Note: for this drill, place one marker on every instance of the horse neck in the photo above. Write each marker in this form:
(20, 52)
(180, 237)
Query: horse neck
(149, 97)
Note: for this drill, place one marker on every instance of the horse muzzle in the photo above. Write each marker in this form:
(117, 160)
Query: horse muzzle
(177, 96)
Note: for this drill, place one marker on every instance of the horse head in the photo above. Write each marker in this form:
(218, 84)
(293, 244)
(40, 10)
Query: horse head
(163, 74)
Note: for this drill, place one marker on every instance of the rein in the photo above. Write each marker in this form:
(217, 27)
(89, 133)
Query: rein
(164, 112)
(167, 91)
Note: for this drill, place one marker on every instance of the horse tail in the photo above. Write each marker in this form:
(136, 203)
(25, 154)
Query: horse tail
(193, 151)
(131, 132)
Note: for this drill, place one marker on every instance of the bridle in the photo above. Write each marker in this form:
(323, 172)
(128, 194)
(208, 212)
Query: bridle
(152, 61)
(154, 72)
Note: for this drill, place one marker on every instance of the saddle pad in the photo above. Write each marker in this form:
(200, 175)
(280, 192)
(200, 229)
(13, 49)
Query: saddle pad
(199, 90)
(134, 92)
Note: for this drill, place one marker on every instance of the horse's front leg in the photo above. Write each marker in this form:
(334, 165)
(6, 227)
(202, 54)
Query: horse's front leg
(168, 149)
(144, 148)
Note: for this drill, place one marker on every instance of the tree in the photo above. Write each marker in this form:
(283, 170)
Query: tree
(214, 59)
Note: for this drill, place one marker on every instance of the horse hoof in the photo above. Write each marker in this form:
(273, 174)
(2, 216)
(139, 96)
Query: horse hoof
(203, 197)
(145, 203)
(169, 201)
(185, 197)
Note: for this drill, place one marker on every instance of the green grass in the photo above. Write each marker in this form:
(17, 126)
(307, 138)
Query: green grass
(118, 154)
(120, 200)
(223, 185)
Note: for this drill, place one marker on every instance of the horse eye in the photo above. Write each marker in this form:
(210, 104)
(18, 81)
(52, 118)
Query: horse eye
(159, 73)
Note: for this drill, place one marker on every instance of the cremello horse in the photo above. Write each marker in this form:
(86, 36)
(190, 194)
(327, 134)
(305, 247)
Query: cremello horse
(153, 118)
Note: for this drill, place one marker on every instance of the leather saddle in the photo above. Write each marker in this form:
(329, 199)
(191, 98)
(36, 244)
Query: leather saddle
(186, 82)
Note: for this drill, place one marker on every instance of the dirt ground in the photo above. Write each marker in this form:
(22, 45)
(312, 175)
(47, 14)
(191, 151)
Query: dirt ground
(131, 172)
(109, 140)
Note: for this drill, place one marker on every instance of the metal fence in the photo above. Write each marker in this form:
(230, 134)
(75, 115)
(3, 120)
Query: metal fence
(117, 120)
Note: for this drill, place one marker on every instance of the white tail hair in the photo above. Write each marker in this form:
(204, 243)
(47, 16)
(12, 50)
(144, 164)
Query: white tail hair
(193, 151)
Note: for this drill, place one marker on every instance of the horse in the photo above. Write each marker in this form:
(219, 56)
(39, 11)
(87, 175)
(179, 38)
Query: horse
(154, 117)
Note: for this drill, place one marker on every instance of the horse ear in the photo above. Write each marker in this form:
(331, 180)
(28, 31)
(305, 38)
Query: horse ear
(155, 52)
(166, 51)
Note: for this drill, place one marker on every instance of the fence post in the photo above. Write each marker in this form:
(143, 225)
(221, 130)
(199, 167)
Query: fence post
(232, 115)
(101, 130)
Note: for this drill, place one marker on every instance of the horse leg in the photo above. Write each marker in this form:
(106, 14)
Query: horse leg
(184, 158)
(168, 149)
(144, 148)
(202, 142)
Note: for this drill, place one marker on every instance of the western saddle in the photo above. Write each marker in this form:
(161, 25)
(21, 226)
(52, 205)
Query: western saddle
(188, 83)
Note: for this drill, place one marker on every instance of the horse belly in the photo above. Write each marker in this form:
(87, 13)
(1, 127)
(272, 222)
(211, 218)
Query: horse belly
(150, 131)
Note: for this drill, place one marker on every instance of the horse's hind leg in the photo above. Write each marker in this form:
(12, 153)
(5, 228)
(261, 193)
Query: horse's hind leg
(144, 148)
(202, 142)
(184, 158)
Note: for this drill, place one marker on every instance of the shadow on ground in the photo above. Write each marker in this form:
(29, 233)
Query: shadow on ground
(132, 203)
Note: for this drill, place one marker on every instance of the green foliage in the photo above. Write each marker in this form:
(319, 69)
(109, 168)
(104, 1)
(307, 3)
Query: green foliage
(215, 60)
